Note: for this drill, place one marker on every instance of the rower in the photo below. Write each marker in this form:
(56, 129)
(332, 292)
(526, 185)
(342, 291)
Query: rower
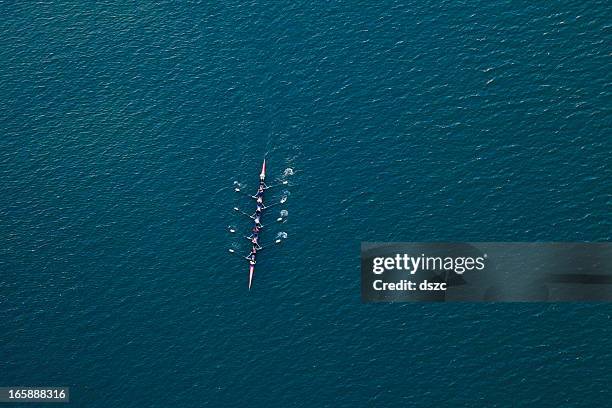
(260, 200)
(257, 223)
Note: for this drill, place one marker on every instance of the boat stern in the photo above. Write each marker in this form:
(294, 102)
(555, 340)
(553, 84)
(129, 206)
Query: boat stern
(251, 273)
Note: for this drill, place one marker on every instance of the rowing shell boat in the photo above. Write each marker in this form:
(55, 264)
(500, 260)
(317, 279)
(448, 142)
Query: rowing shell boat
(256, 217)
(256, 223)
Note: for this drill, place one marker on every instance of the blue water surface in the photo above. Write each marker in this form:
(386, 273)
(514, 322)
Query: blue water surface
(124, 125)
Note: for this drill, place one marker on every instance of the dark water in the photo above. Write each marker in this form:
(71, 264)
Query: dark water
(123, 128)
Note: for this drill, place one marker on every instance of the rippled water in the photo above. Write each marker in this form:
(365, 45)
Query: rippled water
(124, 126)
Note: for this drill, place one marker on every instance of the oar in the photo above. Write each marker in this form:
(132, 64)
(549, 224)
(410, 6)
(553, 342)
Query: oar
(231, 251)
(277, 241)
(283, 183)
(282, 201)
(243, 193)
(243, 213)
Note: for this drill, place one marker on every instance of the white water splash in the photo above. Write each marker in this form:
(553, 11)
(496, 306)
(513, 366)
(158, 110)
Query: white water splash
(282, 235)
(284, 213)
(288, 172)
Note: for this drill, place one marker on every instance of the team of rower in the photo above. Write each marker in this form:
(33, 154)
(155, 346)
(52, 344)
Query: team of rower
(256, 217)
(254, 237)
